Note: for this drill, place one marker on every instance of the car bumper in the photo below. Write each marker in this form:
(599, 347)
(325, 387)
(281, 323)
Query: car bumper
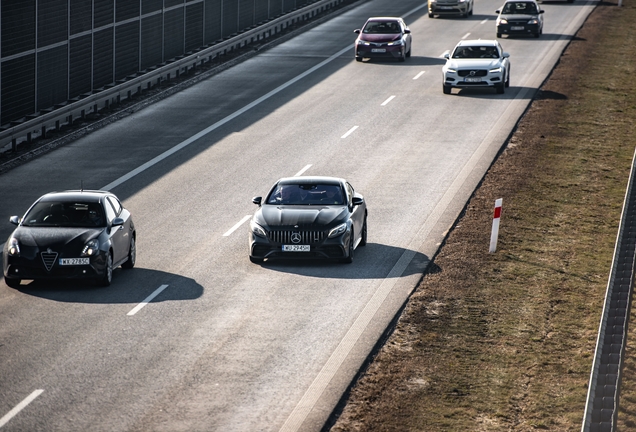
(365, 51)
(330, 248)
(19, 268)
(513, 29)
(492, 80)
(460, 9)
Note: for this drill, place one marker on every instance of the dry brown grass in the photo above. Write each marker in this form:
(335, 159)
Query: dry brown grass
(504, 341)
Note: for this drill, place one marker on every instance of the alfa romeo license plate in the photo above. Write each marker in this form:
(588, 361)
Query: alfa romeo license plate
(296, 248)
(74, 261)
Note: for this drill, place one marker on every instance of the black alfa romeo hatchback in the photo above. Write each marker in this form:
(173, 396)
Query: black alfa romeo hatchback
(70, 235)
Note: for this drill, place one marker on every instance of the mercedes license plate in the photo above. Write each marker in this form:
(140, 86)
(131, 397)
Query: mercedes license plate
(296, 248)
(74, 261)
(473, 79)
(378, 49)
(516, 27)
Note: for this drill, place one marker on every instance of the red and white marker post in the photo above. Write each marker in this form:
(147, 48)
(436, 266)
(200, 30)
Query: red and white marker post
(495, 225)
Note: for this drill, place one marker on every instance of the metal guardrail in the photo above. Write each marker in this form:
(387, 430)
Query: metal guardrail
(601, 407)
(38, 124)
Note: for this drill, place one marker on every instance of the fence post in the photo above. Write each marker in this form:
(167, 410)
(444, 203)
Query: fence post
(495, 225)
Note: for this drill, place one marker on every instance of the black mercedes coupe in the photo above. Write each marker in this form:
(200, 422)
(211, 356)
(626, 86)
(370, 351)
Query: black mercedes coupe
(70, 235)
(308, 217)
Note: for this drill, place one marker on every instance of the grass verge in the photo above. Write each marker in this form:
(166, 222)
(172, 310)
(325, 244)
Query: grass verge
(505, 341)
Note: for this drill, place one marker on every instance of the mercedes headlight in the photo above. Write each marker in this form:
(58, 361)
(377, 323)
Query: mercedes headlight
(91, 248)
(13, 248)
(335, 232)
(257, 229)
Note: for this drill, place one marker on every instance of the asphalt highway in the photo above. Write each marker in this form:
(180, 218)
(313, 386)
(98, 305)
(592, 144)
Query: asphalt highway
(197, 338)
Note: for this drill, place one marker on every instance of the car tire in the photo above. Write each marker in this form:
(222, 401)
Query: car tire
(430, 15)
(349, 258)
(359, 59)
(408, 54)
(12, 283)
(132, 255)
(256, 260)
(402, 58)
(446, 89)
(498, 35)
(508, 79)
(363, 238)
(501, 88)
(537, 34)
(106, 279)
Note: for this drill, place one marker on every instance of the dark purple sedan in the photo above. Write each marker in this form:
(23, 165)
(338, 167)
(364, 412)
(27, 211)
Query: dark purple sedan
(383, 37)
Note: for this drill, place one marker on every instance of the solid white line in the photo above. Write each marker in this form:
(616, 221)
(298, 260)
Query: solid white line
(147, 300)
(466, 35)
(418, 75)
(302, 171)
(484, 21)
(220, 123)
(235, 227)
(349, 132)
(387, 101)
(326, 374)
(8, 416)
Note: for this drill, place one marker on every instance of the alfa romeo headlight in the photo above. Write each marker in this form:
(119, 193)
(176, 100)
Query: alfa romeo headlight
(91, 248)
(13, 247)
(335, 232)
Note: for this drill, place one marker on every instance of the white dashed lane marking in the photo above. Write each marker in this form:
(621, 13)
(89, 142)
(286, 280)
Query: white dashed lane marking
(147, 300)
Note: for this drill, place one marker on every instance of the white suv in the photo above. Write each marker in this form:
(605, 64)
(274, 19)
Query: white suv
(476, 63)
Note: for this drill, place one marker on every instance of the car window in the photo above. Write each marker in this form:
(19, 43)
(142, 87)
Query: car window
(110, 212)
(382, 27)
(476, 52)
(116, 205)
(350, 193)
(306, 194)
(519, 8)
(64, 214)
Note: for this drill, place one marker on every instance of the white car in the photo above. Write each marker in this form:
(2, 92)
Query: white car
(476, 63)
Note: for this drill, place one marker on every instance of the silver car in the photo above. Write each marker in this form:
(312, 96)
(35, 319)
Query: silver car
(463, 8)
(520, 17)
(476, 63)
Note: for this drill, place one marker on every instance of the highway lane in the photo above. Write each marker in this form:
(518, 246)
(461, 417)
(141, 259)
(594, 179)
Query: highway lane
(229, 345)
